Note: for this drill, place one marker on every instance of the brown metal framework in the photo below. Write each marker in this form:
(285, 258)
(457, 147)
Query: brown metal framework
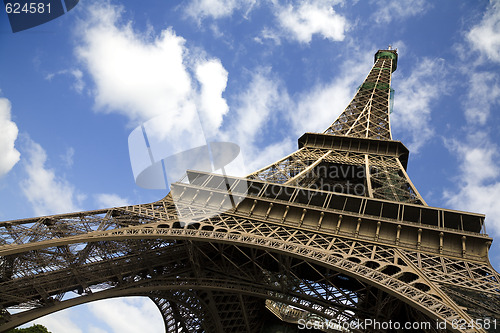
(333, 234)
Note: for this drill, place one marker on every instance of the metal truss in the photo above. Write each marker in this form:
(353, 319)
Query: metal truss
(333, 234)
(334, 276)
(370, 175)
(367, 115)
(345, 169)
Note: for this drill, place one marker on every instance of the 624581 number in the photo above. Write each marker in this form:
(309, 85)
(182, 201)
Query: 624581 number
(31, 8)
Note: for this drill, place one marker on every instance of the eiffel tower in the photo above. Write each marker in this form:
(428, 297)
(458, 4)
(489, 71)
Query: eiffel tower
(333, 237)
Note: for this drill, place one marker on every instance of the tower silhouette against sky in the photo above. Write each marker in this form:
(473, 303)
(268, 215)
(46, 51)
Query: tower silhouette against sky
(332, 236)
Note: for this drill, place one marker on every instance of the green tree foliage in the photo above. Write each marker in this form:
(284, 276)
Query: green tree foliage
(32, 329)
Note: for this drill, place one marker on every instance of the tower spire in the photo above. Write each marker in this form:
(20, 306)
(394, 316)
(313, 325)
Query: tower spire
(356, 154)
(367, 115)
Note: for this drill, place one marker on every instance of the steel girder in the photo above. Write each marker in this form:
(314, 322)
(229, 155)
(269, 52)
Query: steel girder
(323, 273)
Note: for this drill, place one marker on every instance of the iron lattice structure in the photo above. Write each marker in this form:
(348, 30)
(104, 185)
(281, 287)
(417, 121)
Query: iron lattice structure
(335, 233)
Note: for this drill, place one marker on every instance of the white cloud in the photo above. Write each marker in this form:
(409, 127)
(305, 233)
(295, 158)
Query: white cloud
(270, 34)
(270, 154)
(134, 75)
(144, 76)
(93, 329)
(308, 18)
(484, 92)
(216, 9)
(255, 113)
(321, 106)
(256, 104)
(77, 75)
(479, 183)
(115, 315)
(108, 200)
(47, 192)
(213, 79)
(478, 156)
(129, 314)
(296, 20)
(413, 100)
(481, 198)
(485, 36)
(9, 155)
(59, 322)
(389, 10)
(67, 158)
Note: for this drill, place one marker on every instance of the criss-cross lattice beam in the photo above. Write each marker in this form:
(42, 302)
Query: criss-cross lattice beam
(371, 263)
(367, 115)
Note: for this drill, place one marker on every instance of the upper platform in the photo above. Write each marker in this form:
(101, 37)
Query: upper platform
(388, 54)
(355, 144)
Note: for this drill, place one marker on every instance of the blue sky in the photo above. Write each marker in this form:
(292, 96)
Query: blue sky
(256, 72)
